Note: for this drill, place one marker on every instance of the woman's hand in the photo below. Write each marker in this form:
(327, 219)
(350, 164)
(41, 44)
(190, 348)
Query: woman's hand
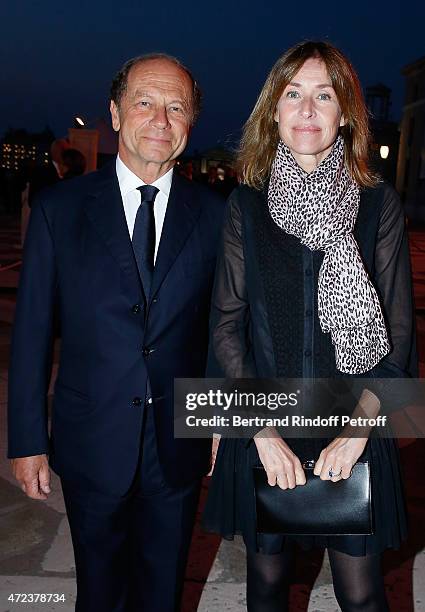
(339, 458)
(214, 449)
(282, 466)
(342, 453)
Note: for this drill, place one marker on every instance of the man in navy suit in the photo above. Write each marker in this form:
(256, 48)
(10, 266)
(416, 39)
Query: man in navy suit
(128, 254)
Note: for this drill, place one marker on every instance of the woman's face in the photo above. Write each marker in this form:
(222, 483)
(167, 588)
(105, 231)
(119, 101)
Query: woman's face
(309, 115)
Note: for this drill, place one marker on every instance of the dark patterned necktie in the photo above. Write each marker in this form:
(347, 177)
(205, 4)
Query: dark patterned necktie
(144, 236)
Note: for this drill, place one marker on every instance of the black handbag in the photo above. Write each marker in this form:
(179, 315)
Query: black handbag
(320, 507)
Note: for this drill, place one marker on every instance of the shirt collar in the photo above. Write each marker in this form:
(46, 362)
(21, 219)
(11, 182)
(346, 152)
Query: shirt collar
(128, 181)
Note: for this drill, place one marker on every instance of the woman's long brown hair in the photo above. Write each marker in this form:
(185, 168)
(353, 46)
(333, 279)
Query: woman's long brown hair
(261, 136)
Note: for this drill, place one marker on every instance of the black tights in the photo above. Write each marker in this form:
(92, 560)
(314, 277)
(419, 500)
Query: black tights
(358, 582)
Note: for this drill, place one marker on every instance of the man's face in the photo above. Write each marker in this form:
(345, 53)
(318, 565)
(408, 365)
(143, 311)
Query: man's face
(154, 117)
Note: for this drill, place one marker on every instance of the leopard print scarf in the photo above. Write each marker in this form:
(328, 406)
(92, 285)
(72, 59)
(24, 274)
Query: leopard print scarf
(321, 208)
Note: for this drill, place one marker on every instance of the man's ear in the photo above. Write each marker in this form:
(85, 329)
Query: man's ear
(115, 116)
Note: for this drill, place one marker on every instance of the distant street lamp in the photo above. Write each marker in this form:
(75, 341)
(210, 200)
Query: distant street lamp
(384, 151)
(84, 137)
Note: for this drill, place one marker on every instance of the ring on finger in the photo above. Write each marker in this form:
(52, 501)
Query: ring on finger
(333, 474)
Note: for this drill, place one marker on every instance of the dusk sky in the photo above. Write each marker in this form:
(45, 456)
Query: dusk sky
(58, 58)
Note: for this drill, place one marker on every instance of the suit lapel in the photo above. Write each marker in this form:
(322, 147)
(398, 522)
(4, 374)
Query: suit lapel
(183, 210)
(105, 210)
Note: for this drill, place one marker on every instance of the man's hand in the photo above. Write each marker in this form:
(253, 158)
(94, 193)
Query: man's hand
(282, 466)
(339, 457)
(33, 474)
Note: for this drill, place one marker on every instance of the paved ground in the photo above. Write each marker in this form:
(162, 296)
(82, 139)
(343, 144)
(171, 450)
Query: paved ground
(35, 550)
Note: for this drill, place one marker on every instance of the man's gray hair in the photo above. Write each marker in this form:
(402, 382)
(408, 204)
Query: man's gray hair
(119, 83)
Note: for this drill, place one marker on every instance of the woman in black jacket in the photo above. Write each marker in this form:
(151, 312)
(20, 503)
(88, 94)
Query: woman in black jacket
(313, 281)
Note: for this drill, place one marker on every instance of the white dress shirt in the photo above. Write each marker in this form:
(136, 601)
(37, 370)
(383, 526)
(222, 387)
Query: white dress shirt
(131, 197)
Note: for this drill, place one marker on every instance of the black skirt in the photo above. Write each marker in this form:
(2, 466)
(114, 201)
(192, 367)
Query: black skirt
(230, 507)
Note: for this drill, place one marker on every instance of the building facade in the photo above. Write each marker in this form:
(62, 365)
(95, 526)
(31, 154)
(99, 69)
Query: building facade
(21, 150)
(411, 159)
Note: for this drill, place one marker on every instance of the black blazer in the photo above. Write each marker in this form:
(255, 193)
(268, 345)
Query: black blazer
(78, 252)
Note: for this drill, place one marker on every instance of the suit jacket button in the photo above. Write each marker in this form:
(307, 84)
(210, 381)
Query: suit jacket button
(147, 351)
(136, 309)
(137, 401)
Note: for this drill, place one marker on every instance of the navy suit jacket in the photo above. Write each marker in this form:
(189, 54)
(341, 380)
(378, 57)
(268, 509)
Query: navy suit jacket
(78, 255)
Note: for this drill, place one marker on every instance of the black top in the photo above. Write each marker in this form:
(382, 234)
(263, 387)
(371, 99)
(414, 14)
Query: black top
(265, 295)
